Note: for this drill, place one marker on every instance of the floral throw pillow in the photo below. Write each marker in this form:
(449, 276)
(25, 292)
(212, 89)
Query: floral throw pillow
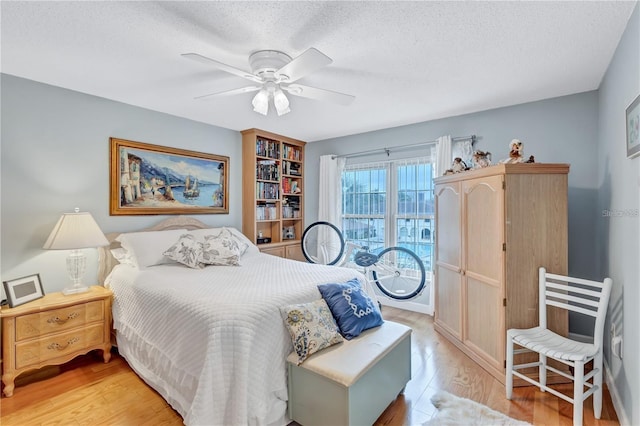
(187, 251)
(220, 250)
(242, 246)
(311, 326)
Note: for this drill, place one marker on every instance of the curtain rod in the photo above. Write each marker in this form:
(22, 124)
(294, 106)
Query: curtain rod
(402, 147)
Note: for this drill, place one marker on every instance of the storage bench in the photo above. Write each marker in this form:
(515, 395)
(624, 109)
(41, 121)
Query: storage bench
(353, 382)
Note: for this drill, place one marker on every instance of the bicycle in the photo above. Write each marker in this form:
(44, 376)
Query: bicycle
(397, 271)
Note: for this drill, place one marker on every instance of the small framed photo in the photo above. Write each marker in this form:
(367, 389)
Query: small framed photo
(633, 128)
(23, 290)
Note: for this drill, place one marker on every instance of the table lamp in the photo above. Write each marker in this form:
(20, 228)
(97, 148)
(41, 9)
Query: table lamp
(75, 231)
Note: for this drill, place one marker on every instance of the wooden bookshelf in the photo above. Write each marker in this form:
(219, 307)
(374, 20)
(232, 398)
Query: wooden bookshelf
(273, 192)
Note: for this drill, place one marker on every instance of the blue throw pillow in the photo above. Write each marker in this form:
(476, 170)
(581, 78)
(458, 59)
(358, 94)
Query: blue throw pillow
(352, 307)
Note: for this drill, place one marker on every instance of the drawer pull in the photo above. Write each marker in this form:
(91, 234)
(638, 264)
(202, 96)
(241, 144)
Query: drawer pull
(57, 320)
(58, 347)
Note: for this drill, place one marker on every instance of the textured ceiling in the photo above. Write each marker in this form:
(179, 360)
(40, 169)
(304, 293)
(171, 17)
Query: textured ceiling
(405, 62)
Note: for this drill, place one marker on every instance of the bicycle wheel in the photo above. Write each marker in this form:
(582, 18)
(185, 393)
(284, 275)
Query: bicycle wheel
(399, 273)
(322, 243)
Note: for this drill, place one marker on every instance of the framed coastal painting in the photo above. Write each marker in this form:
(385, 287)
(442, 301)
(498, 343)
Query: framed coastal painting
(150, 179)
(633, 128)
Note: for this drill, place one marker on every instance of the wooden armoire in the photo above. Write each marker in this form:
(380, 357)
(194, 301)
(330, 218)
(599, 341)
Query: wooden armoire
(495, 227)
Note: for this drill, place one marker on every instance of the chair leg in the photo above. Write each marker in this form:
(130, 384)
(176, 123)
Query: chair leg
(542, 372)
(578, 392)
(508, 383)
(597, 381)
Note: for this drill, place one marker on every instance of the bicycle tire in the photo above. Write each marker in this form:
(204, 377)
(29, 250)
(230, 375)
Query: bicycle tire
(322, 243)
(397, 285)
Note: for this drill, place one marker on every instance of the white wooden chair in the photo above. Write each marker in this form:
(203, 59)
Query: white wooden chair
(574, 294)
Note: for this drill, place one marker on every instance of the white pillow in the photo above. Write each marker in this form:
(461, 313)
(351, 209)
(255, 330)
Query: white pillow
(244, 243)
(147, 248)
(123, 256)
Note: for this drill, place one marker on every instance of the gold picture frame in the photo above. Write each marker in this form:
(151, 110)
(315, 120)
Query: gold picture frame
(148, 179)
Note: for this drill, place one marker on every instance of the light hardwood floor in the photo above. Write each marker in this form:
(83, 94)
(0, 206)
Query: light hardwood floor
(88, 392)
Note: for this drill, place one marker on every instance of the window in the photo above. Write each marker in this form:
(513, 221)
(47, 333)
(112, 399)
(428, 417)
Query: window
(364, 205)
(414, 210)
(390, 203)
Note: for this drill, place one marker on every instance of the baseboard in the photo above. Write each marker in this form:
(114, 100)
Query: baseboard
(615, 396)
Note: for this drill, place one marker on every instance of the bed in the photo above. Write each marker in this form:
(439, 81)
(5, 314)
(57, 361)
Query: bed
(211, 341)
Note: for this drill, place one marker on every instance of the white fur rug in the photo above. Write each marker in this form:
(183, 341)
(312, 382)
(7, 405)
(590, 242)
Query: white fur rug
(456, 411)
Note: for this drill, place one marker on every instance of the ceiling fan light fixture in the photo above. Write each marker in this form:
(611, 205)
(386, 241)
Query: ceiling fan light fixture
(260, 102)
(281, 102)
(275, 71)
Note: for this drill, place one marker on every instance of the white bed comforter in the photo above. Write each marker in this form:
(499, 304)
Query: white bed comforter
(212, 341)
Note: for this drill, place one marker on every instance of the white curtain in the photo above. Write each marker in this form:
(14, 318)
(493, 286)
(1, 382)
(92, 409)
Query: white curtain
(330, 188)
(443, 155)
(464, 150)
(330, 201)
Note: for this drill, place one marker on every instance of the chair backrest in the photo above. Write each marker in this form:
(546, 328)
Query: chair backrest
(585, 297)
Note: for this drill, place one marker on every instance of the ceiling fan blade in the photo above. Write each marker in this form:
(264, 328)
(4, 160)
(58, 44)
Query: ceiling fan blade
(319, 94)
(224, 67)
(309, 61)
(231, 92)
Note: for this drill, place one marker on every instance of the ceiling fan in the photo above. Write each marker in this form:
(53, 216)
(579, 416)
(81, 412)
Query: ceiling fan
(273, 73)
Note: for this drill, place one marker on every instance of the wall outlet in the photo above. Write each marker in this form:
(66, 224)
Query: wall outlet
(616, 346)
(616, 342)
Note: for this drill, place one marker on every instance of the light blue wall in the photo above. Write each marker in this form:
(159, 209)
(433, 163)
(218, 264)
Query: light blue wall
(588, 131)
(559, 130)
(55, 156)
(619, 235)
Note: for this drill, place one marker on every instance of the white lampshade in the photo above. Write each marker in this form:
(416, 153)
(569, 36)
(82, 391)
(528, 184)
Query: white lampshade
(281, 102)
(260, 102)
(75, 231)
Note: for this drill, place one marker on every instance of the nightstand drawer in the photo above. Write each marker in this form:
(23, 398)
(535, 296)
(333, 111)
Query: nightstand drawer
(44, 349)
(53, 321)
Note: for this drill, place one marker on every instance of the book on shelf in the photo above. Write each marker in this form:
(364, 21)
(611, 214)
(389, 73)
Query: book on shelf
(267, 191)
(267, 170)
(291, 207)
(289, 212)
(292, 200)
(266, 211)
(267, 148)
(290, 153)
(289, 168)
(290, 186)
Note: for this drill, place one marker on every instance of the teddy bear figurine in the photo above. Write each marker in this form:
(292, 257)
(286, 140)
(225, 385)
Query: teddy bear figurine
(516, 153)
(457, 166)
(481, 159)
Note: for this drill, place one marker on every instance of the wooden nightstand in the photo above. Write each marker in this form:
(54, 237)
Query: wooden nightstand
(53, 330)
